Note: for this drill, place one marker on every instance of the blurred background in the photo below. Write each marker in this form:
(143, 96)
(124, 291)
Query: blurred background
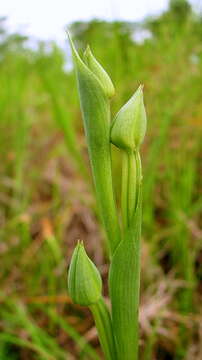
(46, 195)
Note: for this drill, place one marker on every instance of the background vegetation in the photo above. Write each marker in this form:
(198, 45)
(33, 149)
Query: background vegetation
(47, 200)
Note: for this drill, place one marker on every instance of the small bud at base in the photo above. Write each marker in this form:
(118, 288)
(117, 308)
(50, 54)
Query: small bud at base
(84, 280)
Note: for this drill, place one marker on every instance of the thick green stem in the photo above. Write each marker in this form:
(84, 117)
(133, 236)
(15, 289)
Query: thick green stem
(104, 327)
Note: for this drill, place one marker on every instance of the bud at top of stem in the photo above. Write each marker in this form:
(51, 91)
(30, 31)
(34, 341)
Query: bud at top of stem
(92, 71)
(84, 280)
(129, 126)
(99, 72)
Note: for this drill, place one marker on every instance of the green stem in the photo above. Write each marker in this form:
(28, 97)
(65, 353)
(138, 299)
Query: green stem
(124, 275)
(139, 174)
(104, 327)
(124, 191)
(131, 180)
(132, 185)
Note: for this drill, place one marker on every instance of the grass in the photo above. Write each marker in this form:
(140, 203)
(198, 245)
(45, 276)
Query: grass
(47, 201)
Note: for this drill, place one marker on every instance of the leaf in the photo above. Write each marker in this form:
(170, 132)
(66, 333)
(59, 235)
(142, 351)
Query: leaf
(124, 281)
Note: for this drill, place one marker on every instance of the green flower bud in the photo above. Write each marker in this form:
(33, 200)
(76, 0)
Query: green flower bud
(84, 280)
(129, 126)
(99, 72)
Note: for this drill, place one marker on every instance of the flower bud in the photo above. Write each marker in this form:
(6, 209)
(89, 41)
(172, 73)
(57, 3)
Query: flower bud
(84, 280)
(99, 72)
(129, 126)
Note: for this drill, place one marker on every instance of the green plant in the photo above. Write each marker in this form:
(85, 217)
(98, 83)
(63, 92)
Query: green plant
(41, 184)
(118, 329)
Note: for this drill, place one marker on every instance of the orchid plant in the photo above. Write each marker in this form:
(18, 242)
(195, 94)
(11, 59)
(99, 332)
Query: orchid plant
(117, 326)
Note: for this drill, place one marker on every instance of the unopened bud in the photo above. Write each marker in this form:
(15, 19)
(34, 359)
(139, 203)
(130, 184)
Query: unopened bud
(129, 126)
(84, 280)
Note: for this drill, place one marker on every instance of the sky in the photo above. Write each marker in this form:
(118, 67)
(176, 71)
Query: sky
(46, 19)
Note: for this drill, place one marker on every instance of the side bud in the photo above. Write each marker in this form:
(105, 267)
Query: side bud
(129, 126)
(84, 280)
(99, 72)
